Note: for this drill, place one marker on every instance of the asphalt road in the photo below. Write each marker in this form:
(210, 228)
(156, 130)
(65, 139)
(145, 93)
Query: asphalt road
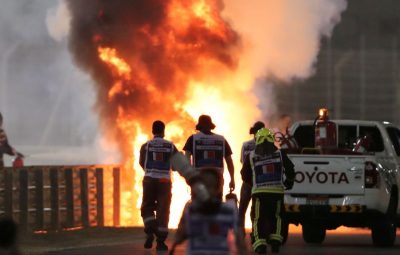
(335, 243)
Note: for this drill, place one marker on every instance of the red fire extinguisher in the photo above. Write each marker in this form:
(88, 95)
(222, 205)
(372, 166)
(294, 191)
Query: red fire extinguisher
(286, 141)
(18, 161)
(325, 130)
(363, 144)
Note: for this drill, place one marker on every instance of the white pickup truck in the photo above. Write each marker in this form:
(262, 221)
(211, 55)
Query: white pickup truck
(342, 188)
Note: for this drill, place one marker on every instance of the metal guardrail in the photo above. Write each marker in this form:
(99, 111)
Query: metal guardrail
(58, 197)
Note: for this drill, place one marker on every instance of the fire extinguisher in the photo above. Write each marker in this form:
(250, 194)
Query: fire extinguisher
(325, 130)
(232, 198)
(363, 144)
(18, 161)
(286, 141)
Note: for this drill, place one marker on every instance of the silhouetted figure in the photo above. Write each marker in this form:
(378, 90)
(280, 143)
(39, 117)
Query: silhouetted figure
(155, 160)
(5, 147)
(245, 191)
(264, 169)
(207, 149)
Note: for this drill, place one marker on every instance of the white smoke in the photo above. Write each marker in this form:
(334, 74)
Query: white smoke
(46, 101)
(282, 38)
(58, 21)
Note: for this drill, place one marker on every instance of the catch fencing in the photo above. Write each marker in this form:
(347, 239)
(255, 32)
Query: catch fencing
(60, 197)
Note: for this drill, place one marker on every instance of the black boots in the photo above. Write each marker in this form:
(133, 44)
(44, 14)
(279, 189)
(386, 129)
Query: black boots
(148, 244)
(275, 245)
(262, 249)
(275, 248)
(161, 246)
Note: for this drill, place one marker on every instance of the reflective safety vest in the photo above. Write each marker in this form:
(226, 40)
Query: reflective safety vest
(157, 163)
(208, 233)
(208, 151)
(267, 173)
(247, 147)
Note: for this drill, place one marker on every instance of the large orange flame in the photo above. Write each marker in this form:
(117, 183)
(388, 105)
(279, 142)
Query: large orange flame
(162, 59)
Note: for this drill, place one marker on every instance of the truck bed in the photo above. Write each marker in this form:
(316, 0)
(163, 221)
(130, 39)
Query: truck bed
(329, 174)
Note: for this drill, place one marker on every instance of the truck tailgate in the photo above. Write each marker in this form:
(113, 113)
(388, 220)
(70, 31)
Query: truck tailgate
(328, 174)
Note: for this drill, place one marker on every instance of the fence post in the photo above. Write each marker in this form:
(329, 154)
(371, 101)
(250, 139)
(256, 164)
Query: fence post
(99, 197)
(54, 199)
(23, 198)
(8, 192)
(69, 197)
(84, 197)
(116, 196)
(39, 201)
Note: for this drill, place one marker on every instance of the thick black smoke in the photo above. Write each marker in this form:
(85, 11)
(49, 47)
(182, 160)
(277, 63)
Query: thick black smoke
(160, 56)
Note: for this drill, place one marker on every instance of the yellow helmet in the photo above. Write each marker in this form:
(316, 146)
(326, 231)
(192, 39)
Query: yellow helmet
(263, 135)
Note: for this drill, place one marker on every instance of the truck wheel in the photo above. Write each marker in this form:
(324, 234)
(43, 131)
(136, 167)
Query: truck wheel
(285, 232)
(383, 233)
(313, 234)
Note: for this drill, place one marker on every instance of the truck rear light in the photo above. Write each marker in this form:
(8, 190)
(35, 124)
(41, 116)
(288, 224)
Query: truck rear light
(371, 175)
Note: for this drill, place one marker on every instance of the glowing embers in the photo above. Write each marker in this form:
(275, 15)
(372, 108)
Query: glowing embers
(120, 69)
(109, 56)
(204, 11)
(196, 14)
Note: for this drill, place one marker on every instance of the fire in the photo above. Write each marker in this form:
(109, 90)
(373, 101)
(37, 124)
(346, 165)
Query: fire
(109, 56)
(119, 67)
(176, 59)
(182, 13)
(173, 60)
